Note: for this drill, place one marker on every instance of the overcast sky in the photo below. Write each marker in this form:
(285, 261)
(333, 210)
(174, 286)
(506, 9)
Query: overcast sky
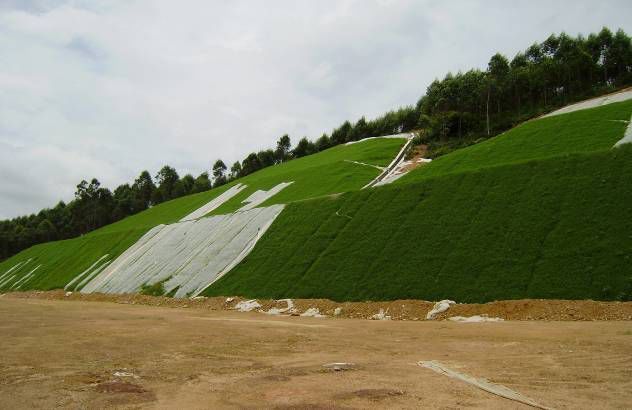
(105, 89)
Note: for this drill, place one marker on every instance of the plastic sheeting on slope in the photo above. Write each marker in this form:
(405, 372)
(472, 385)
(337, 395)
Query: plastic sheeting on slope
(12, 273)
(88, 273)
(214, 203)
(373, 138)
(258, 197)
(25, 278)
(17, 266)
(400, 170)
(185, 256)
(594, 102)
(401, 156)
(627, 137)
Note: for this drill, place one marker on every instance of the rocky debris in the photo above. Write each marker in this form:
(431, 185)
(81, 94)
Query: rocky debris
(339, 366)
(439, 307)
(413, 310)
(68, 294)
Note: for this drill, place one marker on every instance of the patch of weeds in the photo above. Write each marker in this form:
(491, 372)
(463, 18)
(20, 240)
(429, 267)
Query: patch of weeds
(157, 289)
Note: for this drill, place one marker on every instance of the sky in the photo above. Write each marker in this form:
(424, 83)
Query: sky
(106, 89)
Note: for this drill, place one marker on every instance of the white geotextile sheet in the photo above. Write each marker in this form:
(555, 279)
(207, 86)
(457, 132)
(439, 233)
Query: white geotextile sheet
(85, 273)
(439, 307)
(404, 135)
(17, 266)
(186, 255)
(399, 171)
(483, 384)
(214, 203)
(592, 103)
(25, 278)
(399, 158)
(627, 137)
(258, 197)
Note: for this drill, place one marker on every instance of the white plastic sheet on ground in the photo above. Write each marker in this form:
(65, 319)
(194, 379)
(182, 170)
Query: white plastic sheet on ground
(215, 203)
(258, 197)
(381, 315)
(497, 389)
(475, 319)
(594, 102)
(439, 307)
(247, 305)
(289, 308)
(312, 312)
(187, 256)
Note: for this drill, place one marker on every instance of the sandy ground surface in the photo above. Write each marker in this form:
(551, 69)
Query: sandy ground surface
(82, 354)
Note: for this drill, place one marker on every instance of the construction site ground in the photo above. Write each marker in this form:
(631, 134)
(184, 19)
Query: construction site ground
(87, 352)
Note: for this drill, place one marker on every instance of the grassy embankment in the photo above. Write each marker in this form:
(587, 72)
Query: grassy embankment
(581, 131)
(321, 174)
(486, 223)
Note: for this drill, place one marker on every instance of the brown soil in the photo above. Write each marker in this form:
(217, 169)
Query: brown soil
(416, 153)
(527, 309)
(86, 354)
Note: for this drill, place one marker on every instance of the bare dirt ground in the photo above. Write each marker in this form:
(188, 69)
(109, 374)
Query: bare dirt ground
(527, 309)
(87, 354)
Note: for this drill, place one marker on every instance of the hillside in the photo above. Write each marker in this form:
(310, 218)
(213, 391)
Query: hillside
(58, 263)
(339, 169)
(587, 130)
(541, 211)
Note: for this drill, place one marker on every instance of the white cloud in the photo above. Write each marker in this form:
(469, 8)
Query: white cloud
(109, 88)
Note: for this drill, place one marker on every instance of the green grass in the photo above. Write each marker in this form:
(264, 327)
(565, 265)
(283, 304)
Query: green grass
(165, 213)
(63, 260)
(581, 131)
(325, 173)
(553, 228)
(315, 175)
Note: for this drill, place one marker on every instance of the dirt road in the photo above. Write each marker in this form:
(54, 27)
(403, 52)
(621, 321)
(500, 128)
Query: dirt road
(77, 354)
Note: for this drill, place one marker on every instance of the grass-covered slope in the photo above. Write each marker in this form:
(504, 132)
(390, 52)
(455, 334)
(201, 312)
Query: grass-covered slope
(554, 228)
(581, 131)
(315, 175)
(63, 260)
(327, 172)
